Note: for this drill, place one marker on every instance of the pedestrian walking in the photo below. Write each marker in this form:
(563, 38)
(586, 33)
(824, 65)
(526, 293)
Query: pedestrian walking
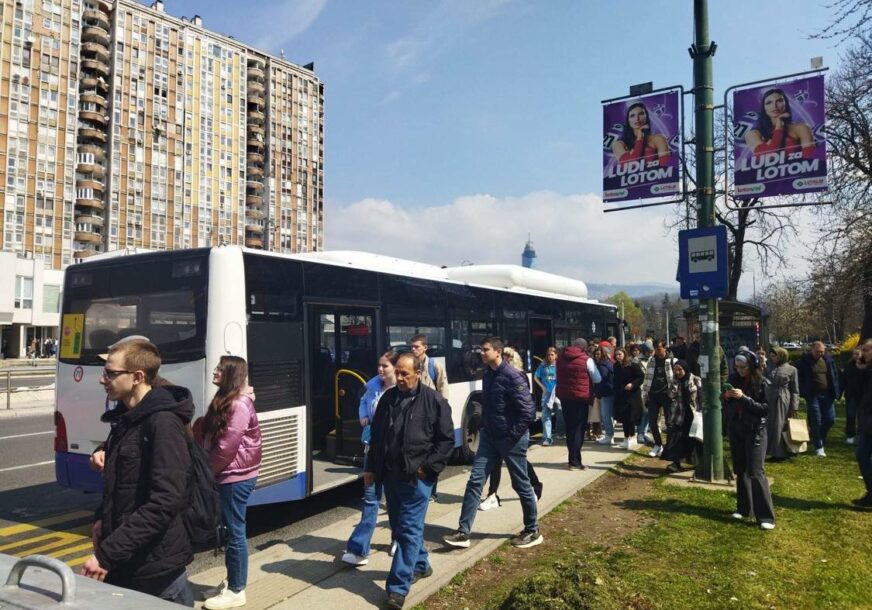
(231, 436)
(686, 390)
(863, 450)
(411, 442)
(819, 385)
(657, 392)
(140, 540)
(628, 395)
(576, 375)
(852, 390)
(782, 394)
(745, 412)
(507, 413)
(358, 546)
(546, 378)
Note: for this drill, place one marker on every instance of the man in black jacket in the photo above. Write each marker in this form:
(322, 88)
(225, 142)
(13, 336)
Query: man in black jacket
(412, 439)
(819, 385)
(508, 412)
(140, 541)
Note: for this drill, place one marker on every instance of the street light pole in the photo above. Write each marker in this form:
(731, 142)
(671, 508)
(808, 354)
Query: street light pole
(712, 468)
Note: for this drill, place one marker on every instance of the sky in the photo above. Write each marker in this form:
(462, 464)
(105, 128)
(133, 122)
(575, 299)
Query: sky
(456, 128)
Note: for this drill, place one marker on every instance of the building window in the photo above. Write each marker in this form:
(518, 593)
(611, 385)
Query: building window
(23, 292)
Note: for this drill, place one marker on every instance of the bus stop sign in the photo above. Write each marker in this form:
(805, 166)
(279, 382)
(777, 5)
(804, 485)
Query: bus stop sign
(702, 263)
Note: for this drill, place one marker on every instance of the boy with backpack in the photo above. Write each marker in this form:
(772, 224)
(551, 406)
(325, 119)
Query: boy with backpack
(140, 532)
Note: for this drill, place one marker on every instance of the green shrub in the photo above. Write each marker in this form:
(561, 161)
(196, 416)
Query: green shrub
(572, 585)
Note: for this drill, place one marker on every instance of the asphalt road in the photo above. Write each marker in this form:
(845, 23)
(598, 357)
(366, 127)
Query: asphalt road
(36, 512)
(26, 377)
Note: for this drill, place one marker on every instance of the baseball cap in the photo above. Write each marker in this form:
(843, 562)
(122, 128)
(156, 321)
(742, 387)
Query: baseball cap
(121, 341)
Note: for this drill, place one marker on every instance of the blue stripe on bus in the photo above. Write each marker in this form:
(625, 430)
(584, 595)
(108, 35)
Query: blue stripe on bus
(291, 489)
(74, 470)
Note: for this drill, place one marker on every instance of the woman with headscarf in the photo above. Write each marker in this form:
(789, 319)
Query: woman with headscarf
(628, 395)
(686, 388)
(745, 412)
(782, 394)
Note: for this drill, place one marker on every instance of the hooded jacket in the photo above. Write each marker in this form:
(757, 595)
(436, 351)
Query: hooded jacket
(145, 483)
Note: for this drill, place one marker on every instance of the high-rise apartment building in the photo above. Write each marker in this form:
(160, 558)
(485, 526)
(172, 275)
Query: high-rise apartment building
(123, 126)
(126, 126)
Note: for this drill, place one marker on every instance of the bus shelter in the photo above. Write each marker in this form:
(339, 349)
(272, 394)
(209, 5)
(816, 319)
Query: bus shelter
(741, 324)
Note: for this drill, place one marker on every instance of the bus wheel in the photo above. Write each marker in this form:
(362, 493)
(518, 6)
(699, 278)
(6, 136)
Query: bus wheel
(471, 428)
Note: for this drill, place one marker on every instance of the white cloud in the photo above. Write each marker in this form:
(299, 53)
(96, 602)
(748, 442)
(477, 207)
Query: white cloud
(571, 234)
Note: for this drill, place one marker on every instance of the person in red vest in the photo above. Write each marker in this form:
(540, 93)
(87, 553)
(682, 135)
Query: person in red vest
(576, 374)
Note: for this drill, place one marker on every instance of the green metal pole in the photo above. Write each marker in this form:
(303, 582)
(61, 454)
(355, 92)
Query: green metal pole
(712, 468)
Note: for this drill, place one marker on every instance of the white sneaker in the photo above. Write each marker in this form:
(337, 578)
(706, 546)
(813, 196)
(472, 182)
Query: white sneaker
(820, 452)
(739, 516)
(850, 440)
(767, 525)
(656, 451)
(492, 501)
(350, 559)
(625, 444)
(225, 599)
(604, 440)
(393, 550)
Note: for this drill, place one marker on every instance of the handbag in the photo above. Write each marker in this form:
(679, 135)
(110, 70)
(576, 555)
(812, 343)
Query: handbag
(792, 447)
(797, 430)
(696, 427)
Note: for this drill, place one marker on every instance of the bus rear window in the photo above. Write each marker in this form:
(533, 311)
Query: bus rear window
(121, 300)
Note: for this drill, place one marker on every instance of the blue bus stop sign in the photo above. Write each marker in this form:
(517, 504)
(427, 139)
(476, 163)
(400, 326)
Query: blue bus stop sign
(702, 263)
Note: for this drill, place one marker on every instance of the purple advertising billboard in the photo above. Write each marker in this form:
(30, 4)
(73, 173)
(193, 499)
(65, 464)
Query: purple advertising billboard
(779, 146)
(641, 147)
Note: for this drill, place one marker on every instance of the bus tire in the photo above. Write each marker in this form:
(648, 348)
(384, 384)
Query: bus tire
(471, 427)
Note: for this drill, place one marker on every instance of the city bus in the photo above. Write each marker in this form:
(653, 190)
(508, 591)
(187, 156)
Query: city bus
(311, 327)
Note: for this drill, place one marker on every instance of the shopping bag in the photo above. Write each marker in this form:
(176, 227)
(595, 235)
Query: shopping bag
(696, 426)
(797, 430)
(792, 447)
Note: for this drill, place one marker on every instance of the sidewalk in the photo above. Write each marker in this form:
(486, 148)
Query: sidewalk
(306, 572)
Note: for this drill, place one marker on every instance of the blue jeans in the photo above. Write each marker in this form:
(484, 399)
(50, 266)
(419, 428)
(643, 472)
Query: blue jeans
(547, 416)
(515, 458)
(864, 459)
(407, 509)
(173, 588)
(607, 411)
(821, 417)
(361, 537)
(234, 499)
(643, 424)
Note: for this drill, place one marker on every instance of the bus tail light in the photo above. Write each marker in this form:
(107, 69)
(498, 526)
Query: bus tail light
(60, 441)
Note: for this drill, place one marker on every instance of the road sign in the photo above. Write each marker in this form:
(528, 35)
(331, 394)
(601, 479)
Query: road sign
(702, 263)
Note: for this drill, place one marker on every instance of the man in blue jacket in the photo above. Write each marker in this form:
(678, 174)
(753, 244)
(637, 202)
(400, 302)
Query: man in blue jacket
(819, 385)
(507, 413)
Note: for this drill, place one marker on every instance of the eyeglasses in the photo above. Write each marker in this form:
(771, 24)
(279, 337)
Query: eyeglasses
(110, 375)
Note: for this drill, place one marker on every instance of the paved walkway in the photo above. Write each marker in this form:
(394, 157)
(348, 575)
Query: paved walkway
(306, 572)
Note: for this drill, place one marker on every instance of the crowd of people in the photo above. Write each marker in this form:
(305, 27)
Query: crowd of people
(140, 537)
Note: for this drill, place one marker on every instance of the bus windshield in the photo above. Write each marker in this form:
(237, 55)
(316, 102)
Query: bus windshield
(164, 300)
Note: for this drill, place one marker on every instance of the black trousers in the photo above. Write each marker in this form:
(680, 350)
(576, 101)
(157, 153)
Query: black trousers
(575, 415)
(496, 476)
(656, 402)
(752, 488)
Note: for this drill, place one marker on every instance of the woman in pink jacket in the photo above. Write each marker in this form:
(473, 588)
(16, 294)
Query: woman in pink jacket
(231, 435)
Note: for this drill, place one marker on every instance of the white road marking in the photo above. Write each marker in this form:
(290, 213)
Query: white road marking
(27, 466)
(3, 438)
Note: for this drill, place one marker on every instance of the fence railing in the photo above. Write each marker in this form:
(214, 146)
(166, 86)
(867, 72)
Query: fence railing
(7, 376)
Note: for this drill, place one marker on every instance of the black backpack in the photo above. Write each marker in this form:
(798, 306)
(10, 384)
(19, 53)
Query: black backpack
(202, 515)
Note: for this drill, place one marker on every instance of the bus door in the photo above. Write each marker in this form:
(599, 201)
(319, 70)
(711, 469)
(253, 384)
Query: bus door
(344, 357)
(541, 338)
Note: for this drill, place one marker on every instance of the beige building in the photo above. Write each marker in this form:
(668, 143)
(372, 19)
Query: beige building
(123, 126)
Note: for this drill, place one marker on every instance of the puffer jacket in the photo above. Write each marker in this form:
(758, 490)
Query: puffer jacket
(573, 380)
(508, 405)
(235, 456)
(145, 488)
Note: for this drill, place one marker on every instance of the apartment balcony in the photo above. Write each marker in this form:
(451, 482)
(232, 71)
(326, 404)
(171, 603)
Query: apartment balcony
(255, 144)
(255, 129)
(96, 18)
(98, 50)
(88, 237)
(253, 242)
(254, 212)
(254, 157)
(93, 97)
(89, 183)
(90, 82)
(256, 100)
(94, 115)
(90, 219)
(86, 132)
(95, 65)
(87, 206)
(95, 34)
(254, 185)
(99, 153)
(254, 171)
(80, 254)
(91, 168)
(256, 116)
(256, 62)
(255, 74)
(253, 226)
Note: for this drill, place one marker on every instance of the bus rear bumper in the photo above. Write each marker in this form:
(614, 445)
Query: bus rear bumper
(73, 470)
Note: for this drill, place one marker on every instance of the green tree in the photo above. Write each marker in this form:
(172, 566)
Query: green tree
(630, 311)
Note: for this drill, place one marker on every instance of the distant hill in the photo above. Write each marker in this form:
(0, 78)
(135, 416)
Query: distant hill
(636, 291)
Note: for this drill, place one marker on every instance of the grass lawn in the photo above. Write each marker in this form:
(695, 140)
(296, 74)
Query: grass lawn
(687, 552)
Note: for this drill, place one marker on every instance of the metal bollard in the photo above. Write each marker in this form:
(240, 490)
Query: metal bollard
(8, 390)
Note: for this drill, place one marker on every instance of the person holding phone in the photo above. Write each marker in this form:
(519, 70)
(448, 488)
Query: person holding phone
(745, 411)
